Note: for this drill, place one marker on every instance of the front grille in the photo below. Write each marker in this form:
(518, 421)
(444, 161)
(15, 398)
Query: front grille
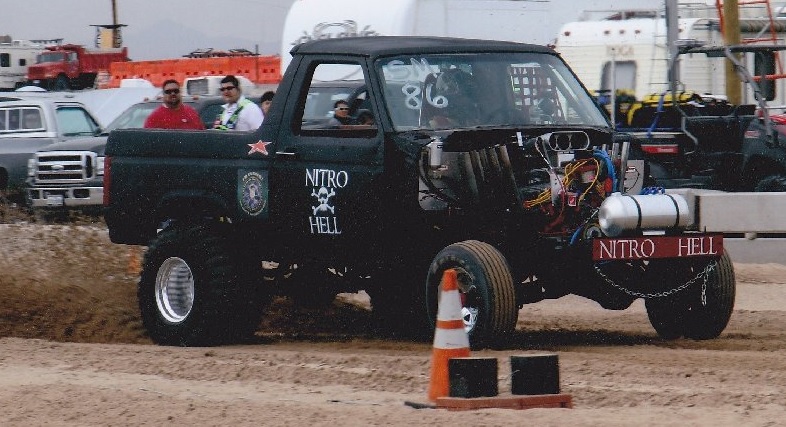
(65, 167)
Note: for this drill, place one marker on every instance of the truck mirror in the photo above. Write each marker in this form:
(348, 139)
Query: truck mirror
(764, 64)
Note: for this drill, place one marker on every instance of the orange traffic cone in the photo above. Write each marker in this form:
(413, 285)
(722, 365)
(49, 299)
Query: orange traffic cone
(450, 339)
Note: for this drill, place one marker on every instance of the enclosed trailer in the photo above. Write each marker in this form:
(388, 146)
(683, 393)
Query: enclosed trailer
(507, 20)
(635, 52)
(15, 57)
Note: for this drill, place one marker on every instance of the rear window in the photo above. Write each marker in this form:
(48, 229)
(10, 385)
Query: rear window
(9, 119)
(197, 87)
(20, 119)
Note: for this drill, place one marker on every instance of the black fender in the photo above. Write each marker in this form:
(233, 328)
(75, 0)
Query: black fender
(182, 204)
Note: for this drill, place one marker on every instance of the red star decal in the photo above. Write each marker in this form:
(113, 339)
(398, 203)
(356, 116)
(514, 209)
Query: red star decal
(259, 147)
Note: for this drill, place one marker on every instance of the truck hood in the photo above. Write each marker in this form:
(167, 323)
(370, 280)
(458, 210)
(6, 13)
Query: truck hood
(412, 142)
(95, 144)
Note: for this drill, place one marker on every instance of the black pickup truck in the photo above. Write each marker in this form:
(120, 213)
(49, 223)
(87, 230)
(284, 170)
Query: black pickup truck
(486, 157)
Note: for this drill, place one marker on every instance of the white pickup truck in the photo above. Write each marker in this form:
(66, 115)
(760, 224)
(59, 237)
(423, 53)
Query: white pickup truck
(27, 126)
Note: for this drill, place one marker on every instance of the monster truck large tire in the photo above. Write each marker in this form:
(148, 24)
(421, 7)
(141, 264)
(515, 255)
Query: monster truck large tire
(684, 314)
(667, 316)
(195, 290)
(708, 320)
(486, 286)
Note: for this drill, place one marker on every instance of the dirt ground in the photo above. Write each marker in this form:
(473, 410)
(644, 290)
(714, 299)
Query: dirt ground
(73, 353)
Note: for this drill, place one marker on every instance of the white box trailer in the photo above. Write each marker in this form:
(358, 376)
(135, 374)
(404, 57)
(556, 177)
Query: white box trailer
(485, 19)
(15, 57)
(636, 49)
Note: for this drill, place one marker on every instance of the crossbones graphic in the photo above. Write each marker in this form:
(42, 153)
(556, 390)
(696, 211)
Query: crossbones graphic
(322, 197)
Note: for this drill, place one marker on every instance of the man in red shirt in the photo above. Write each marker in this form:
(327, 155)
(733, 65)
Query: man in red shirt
(173, 114)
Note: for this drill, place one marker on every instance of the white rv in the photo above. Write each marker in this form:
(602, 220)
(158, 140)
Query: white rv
(15, 56)
(485, 19)
(636, 50)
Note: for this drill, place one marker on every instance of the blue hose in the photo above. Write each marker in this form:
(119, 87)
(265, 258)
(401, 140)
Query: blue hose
(609, 166)
(658, 112)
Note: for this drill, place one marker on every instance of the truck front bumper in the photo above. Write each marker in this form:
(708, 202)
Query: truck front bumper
(65, 197)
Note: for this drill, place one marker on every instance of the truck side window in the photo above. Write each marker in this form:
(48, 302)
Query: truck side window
(31, 119)
(335, 101)
(13, 119)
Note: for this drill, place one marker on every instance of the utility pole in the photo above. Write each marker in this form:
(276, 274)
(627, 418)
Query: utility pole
(106, 31)
(115, 27)
(672, 34)
(731, 36)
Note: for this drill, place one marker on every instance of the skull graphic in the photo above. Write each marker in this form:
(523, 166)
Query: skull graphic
(322, 195)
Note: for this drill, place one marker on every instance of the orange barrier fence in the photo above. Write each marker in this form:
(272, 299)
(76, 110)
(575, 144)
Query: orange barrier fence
(258, 69)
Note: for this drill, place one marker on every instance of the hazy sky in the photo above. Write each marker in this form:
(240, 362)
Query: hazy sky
(155, 28)
(171, 28)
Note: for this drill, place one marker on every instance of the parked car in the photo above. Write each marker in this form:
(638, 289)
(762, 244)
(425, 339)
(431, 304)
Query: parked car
(70, 174)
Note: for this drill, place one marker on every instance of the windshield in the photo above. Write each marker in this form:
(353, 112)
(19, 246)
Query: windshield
(50, 57)
(448, 91)
(133, 117)
(75, 121)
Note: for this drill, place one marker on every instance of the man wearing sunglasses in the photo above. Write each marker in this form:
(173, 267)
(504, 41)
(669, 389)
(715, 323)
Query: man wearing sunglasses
(173, 114)
(341, 115)
(240, 113)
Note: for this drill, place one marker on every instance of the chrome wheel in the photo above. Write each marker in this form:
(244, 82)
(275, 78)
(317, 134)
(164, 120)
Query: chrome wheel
(470, 317)
(174, 290)
(471, 301)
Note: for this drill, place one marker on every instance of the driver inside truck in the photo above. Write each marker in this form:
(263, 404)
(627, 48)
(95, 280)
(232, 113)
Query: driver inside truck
(456, 100)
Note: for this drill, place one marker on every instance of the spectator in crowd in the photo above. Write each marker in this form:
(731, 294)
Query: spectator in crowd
(461, 109)
(340, 114)
(172, 113)
(239, 113)
(265, 101)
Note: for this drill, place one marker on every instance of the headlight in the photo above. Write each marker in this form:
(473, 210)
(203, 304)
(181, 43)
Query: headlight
(32, 165)
(100, 165)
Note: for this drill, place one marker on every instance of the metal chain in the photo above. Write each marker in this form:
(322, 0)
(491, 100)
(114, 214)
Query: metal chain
(702, 274)
(704, 288)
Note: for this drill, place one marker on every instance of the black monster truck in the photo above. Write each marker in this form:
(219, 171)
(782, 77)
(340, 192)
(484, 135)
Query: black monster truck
(487, 157)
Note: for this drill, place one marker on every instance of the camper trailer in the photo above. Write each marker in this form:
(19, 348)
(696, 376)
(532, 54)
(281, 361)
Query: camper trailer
(15, 57)
(631, 55)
